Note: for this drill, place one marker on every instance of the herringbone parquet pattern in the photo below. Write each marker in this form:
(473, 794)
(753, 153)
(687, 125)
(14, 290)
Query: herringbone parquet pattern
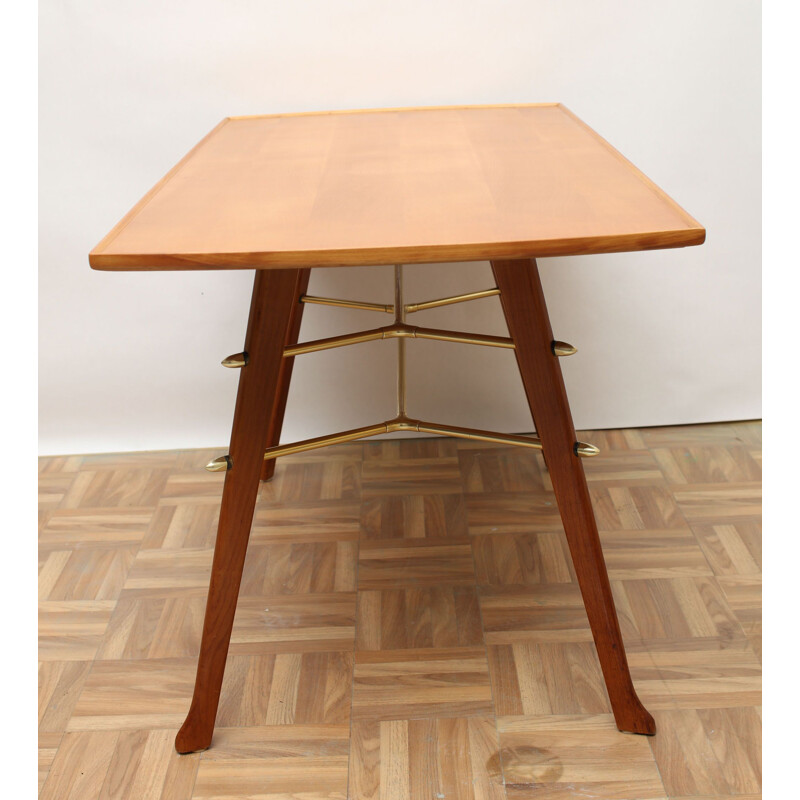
(409, 625)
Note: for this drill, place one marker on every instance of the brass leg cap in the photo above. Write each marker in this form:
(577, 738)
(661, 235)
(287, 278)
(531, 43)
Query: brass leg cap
(221, 464)
(585, 450)
(236, 361)
(563, 349)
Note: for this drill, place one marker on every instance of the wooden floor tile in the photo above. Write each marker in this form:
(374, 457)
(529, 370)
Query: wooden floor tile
(187, 524)
(388, 563)
(95, 527)
(170, 569)
(409, 626)
(418, 617)
(300, 568)
(80, 766)
(713, 752)
(551, 612)
(705, 674)
(636, 507)
(401, 684)
(286, 689)
(509, 469)
(410, 467)
(575, 756)
(510, 559)
(625, 468)
(680, 608)
(307, 522)
(414, 516)
(194, 486)
(720, 503)
(72, 630)
(294, 623)
(62, 465)
(60, 685)
(120, 486)
(743, 594)
(306, 778)
(48, 747)
(425, 758)
(145, 765)
(732, 549)
(276, 762)
(512, 512)
(152, 626)
(310, 481)
(130, 695)
(87, 573)
(708, 464)
(640, 554)
(547, 678)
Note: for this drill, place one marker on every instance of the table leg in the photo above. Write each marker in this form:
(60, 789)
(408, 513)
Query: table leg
(274, 292)
(529, 326)
(285, 375)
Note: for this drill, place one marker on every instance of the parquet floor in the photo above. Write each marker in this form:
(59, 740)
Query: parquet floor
(409, 625)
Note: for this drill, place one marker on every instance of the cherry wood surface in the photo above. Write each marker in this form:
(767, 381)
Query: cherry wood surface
(396, 185)
(274, 296)
(528, 322)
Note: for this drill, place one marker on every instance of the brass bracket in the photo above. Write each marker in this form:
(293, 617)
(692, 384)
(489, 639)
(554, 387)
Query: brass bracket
(401, 331)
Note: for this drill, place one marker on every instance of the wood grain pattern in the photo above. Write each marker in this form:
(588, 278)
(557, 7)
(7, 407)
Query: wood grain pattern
(408, 688)
(285, 373)
(395, 186)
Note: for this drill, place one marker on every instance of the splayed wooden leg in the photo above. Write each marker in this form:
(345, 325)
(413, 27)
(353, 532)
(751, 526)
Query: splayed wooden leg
(285, 374)
(529, 326)
(274, 292)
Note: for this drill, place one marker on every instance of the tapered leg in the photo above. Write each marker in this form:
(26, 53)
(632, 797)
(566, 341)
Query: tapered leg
(285, 374)
(529, 326)
(270, 312)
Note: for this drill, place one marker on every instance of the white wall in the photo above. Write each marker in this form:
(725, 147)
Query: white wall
(131, 361)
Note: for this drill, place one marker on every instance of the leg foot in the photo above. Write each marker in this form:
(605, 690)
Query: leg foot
(529, 325)
(270, 311)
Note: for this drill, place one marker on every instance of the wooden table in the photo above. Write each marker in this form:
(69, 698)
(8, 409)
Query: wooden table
(284, 193)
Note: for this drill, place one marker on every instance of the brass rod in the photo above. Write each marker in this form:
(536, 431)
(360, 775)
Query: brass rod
(463, 338)
(325, 441)
(398, 331)
(483, 436)
(446, 301)
(402, 423)
(331, 301)
(335, 341)
(399, 318)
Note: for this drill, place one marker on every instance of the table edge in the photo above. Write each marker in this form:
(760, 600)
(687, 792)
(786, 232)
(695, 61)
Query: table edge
(417, 254)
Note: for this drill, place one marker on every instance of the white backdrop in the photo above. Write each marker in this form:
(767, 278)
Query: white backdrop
(130, 361)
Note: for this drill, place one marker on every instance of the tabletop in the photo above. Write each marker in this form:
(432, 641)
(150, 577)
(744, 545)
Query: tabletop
(389, 186)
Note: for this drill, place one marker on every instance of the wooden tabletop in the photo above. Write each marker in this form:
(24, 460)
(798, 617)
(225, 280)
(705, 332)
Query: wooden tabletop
(395, 186)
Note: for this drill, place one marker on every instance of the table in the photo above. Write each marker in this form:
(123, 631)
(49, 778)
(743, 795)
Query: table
(282, 194)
